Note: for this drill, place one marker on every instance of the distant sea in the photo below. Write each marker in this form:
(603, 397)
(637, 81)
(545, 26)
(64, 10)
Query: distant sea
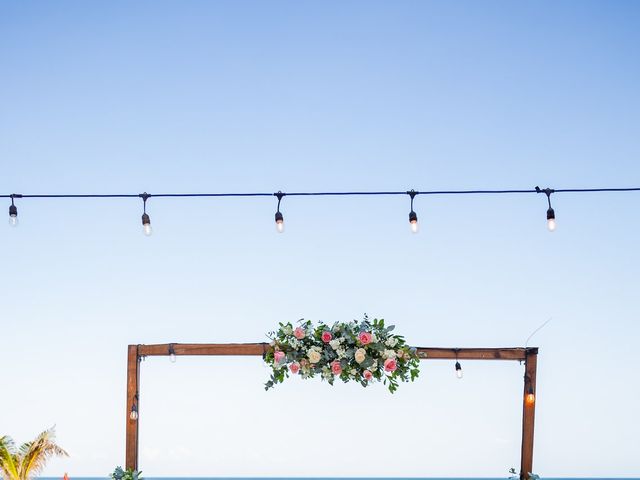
(71, 477)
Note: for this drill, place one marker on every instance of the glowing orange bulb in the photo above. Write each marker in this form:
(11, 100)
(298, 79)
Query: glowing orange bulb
(530, 399)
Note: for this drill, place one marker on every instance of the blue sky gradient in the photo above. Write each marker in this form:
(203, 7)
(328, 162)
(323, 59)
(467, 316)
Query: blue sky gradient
(123, 97)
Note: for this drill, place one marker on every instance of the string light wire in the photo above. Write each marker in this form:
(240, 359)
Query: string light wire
(279, 217)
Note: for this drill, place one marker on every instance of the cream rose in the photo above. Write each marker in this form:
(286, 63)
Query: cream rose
(314, 356)
(360, 355)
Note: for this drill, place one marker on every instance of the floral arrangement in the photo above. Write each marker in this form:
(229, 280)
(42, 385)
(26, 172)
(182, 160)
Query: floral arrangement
(363, 351)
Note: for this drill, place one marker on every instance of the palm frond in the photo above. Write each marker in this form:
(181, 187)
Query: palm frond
(8, 459)
(34, 455)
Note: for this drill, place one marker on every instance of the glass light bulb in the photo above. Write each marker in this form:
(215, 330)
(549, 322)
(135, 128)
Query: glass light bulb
(530, 399)
(13, 220)
(146, 228)
(280, 226)
(458, 370)
(133, 415)
(551, 224)
(172, 357)
(414, 226)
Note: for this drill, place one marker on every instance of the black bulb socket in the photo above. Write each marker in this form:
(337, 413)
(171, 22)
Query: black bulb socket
(458, 367)
(551, 215)
(279, 217)
(413, 217)
(145, 219)
(13, 211)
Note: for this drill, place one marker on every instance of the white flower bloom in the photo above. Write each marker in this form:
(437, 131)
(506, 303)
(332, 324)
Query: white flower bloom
(341, 352)
(287, 329)
(360, 355)
(374, 339)
(335, 343)
(353, 372)
(389, 354)
(391, 342)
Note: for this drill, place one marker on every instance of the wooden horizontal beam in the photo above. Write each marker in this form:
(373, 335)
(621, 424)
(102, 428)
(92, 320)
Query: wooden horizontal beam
(204, 349)
(428, 353)
(425, 353)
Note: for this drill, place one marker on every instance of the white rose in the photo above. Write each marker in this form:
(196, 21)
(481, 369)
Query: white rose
(314, 356)
(335, 343)
(360, 355)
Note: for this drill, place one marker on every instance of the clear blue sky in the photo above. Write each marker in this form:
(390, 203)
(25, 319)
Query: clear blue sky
(240, 96)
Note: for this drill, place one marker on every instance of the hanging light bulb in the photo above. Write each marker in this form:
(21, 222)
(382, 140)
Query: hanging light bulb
(146, 225)
(279, 216)
(551, 214)
(146, 221)
(413, 216)
(413, 222)
(458, 370)
(134, 413)
(551, 220)
(13, 214)
(530, 397)
(172, 354)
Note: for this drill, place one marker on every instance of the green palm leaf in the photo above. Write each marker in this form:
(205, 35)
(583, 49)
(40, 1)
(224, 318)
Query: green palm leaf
(30, 459)
(8, 460)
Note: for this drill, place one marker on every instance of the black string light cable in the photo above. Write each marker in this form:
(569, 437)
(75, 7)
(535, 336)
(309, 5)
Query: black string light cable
(279, 218)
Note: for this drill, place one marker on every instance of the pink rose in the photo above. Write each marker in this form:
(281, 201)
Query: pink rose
(390, 365)
(294, 367)
(278, 356)
(367, 375)
(299, 333)
(365, 338)
(336, 368)
(326, 337)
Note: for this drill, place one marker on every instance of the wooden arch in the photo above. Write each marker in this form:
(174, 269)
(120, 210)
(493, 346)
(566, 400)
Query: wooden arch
(527, 355)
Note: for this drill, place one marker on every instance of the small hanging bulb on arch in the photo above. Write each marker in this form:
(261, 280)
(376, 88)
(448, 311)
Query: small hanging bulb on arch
(413, 216)
(458, 366)
(133, 415)
(458, 370)
(530, 397)
(279, 217)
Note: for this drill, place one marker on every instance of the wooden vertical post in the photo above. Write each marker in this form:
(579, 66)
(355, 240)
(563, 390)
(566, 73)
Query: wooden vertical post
(528, 412)
(133, 389)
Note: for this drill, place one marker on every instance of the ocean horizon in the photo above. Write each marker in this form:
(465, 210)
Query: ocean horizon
(342, 477)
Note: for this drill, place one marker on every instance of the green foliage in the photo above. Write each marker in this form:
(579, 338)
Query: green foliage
(128, 474)
(362, 351)
(30, 459)
(516, 476)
